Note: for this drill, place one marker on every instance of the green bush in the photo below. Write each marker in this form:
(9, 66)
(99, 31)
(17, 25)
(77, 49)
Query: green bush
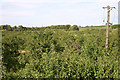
(115, 26)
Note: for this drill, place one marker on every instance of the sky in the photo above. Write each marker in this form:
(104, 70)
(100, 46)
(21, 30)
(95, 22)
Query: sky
(32, 13)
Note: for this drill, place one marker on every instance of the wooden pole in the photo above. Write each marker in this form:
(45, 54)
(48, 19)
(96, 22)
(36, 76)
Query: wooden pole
(107, 27)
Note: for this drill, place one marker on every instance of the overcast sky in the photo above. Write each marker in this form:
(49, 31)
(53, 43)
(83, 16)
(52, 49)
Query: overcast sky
(56, 12)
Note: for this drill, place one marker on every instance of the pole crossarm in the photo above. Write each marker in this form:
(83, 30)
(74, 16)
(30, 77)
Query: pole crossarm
(109, 7)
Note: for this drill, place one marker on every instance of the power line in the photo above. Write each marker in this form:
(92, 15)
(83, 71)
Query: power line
(114, 15)
(104, 16)
(103, 22)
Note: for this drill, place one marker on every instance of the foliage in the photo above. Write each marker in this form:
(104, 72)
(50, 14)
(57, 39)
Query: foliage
(6, 27)
(74, 27)
(57, 53)
(115, 26)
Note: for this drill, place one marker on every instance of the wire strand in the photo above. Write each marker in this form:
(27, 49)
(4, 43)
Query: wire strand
(113, 17)
(102, 23)
(104, 17)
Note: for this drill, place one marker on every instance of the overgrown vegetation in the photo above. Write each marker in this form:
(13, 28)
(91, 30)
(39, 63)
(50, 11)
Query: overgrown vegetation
(59, 53)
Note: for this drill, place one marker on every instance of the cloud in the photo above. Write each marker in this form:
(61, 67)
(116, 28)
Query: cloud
(57, 1)
(17, 9)
(18, 5)
(36, 3)
(47, 1)
(108, 1)
(17, 13)
(23, 5)
(47, 12)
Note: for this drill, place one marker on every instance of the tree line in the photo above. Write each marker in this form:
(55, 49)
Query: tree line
(66, 27)
(22, 28)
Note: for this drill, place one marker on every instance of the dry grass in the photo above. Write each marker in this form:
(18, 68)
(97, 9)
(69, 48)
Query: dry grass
(23, 51)
(115, 29)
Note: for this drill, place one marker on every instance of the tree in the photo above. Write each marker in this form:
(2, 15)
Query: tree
(14, 27)
(68, 26)
(6, 27)
(21, 28)
(74, 27)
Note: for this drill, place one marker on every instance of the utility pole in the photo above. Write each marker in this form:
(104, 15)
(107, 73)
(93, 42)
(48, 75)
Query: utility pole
(107, 26)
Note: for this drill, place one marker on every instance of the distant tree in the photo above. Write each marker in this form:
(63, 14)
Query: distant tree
(86, 26)
(6, 27)
(0, 27)
(74, 27)
(68, 26)
(21, 28)
(92, 26)
(14, 28)
(115, 26)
